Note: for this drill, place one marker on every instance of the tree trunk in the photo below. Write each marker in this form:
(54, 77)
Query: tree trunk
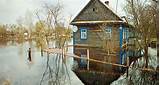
(146, 56)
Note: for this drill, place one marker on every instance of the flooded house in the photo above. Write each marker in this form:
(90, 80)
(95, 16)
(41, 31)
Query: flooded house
(101, 35)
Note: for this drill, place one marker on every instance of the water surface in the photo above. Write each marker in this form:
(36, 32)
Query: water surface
(15, 69)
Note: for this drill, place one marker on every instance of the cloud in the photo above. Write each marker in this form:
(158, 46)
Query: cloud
(10, 10)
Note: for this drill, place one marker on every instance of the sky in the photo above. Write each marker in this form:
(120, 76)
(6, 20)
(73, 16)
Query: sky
(12, 10)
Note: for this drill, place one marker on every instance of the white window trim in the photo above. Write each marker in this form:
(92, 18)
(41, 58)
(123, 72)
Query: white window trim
(83, 35)
(109, 33)
(125, 34)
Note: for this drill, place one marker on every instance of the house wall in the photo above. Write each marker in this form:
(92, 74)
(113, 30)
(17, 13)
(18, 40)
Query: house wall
(94, 43)
(95, 38)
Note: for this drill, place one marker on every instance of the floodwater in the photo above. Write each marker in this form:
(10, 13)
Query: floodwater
(15, 69)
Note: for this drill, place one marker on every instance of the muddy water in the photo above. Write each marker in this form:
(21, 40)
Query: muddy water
(15, 69)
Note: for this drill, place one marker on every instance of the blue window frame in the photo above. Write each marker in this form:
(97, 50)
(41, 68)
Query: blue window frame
(83, 34)
(109, 32)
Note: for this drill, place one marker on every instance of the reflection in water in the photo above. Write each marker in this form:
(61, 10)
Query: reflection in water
(49, 69)
(17, 70)
(59, 74)
(20, 53)
(30, 63)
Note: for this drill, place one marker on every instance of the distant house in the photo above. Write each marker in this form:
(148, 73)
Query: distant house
(101, 31)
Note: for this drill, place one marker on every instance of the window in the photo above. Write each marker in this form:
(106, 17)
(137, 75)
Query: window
(83, 33)
(125, 34)
(83, 61)
(109, 32)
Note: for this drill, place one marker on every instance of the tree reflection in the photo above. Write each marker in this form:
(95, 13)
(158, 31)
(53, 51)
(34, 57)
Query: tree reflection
(47, 33)
(57, 71)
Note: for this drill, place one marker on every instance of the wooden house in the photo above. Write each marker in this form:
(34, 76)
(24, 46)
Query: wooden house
(101, 35)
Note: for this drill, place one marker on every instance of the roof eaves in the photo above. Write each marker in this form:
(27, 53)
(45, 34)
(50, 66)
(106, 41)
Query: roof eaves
(96, 22)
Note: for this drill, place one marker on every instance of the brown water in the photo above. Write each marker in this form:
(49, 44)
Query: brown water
(15, 69)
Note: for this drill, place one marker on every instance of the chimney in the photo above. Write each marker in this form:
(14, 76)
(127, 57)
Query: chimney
(107, 3)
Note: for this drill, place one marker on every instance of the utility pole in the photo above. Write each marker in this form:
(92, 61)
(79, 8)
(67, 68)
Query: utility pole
(116, 6)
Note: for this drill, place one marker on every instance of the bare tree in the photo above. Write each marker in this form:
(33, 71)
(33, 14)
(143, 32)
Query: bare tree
(52, 26)
(142, 17)
(53, 14)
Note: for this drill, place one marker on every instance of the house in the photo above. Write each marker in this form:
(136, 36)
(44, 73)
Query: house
(101, 33)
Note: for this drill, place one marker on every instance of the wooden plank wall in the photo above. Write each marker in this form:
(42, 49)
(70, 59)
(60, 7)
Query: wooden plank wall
(95, 38)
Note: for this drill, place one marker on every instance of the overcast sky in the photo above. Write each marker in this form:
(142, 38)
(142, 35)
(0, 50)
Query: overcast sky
(11, 10)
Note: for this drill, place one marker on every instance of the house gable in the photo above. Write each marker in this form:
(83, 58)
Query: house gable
(95, 10)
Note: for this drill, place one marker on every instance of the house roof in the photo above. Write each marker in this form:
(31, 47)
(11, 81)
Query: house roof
(75, 21)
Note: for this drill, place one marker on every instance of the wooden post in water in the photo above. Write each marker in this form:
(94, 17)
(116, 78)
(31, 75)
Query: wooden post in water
(63, 55)
(29, 55)
(64, 52)
(41, 52)
(88, 59)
